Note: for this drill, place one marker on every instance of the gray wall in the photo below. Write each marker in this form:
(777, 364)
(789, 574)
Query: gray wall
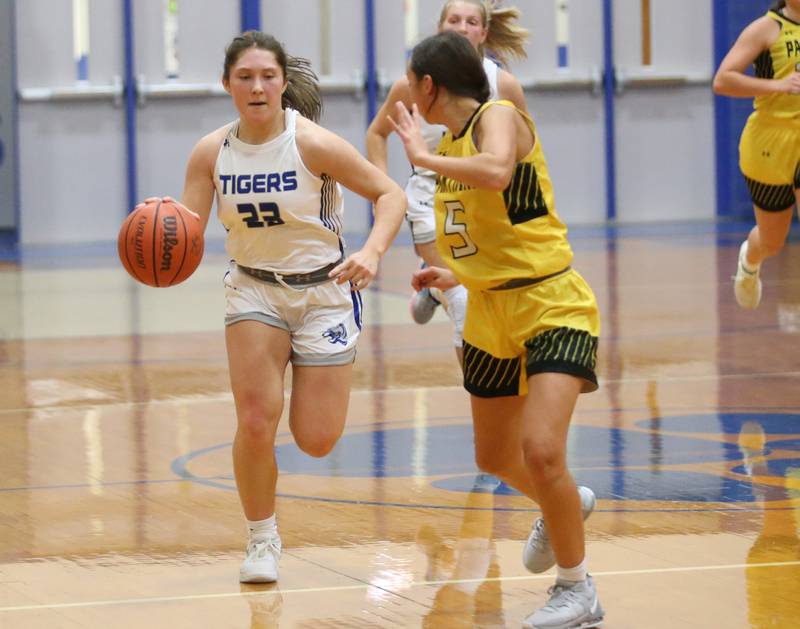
(8, 167)
(72, 155)
(665, 152)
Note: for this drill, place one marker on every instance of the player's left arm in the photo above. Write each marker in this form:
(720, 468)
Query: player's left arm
(325, 152)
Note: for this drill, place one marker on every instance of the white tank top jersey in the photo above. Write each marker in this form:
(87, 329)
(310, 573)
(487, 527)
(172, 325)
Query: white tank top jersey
(422, 183)
(278, 215)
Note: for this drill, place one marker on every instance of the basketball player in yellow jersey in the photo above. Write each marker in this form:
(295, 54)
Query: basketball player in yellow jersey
(531, 328)
(769, 151)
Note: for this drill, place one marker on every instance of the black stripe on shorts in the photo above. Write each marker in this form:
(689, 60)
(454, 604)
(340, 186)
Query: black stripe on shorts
(487, 376)
(772, 198)
(563, 350)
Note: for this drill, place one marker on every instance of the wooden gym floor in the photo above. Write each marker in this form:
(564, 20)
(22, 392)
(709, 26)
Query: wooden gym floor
(117, 505)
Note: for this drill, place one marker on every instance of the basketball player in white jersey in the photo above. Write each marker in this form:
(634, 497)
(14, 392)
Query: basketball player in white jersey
(291, 296)
(488, 28)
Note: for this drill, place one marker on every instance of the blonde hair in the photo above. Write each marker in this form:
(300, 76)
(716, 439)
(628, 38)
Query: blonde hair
(504, 38)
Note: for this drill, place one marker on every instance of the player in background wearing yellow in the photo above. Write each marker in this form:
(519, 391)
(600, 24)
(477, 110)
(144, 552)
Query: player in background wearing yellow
(769, 150)
(532, 323)
(491, 30)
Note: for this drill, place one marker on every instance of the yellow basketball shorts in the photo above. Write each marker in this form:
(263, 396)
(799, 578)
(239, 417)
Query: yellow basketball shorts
(769, 157)
(511, 335)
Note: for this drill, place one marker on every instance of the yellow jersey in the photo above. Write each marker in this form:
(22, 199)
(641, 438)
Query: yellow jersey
(779, 61)
(488, 237)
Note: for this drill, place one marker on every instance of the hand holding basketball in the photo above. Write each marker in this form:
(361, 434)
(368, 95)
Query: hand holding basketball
(161, 242)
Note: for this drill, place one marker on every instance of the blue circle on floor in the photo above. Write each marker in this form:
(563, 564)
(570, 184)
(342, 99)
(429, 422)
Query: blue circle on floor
(643, 485)
(786, 444)
(770, 422)
(449, 450)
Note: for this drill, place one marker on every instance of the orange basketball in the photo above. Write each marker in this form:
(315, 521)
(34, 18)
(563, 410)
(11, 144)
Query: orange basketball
(160, 244)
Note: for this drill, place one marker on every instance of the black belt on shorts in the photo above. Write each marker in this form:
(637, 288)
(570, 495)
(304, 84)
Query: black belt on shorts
(292, 279)
(519, 282)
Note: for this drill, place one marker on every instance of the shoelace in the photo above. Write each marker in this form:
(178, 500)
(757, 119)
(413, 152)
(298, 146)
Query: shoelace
(261, 547)
(562, 596)
(541, 533)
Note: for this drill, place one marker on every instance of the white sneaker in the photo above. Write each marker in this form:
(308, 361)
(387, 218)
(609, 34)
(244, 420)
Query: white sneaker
(260, 564)
(571, 606)
(746, 284)
(538, 555)
(423, 306)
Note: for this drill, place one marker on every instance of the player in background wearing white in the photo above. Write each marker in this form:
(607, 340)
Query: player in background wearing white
(491, 30)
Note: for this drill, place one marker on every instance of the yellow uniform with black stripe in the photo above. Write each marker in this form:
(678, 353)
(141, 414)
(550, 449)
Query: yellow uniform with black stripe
(769, 150)
(528, 312)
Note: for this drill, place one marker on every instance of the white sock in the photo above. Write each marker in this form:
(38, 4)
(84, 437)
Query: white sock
(457, 309)
(576, 574)
(747, 266)
(262, 529)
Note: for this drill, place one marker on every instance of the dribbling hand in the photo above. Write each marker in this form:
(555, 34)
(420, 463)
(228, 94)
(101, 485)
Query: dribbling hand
(167, 199)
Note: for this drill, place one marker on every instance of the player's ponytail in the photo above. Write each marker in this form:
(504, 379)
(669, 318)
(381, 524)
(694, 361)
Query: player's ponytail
(777, 6)
(302, 86)
(302, 90)
(505, 38)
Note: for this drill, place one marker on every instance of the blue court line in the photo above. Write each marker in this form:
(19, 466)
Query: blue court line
(405, 505)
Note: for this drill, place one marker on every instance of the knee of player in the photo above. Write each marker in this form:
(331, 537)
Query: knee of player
(546, 462)
(257, 425)
(318, 444)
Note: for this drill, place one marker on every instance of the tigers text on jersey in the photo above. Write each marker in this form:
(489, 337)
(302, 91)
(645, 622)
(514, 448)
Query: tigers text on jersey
(279, 216)
(489, 237)
(779, 61)
(422, 183)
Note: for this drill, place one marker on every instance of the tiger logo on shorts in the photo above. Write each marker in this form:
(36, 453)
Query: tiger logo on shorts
(336, 334)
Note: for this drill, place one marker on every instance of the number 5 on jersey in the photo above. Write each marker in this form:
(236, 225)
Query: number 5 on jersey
(266, 214)
(455, 227)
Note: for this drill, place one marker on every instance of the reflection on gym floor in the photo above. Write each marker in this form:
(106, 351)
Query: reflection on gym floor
(117, 503)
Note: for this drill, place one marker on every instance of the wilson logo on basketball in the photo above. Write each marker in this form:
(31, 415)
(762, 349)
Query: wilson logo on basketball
(170, 225)
(138, 242)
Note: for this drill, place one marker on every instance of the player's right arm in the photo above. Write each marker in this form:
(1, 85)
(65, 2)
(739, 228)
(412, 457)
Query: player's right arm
(731, 79)
(380, 128)
(198, 187)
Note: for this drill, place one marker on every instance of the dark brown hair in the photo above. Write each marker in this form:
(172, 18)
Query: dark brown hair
(302, 89)
(451, 62)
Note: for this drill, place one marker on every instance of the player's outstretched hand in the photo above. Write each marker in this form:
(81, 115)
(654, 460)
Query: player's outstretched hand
(408, 127)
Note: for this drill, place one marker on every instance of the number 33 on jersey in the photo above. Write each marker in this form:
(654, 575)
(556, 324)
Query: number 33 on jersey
(272, 206)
